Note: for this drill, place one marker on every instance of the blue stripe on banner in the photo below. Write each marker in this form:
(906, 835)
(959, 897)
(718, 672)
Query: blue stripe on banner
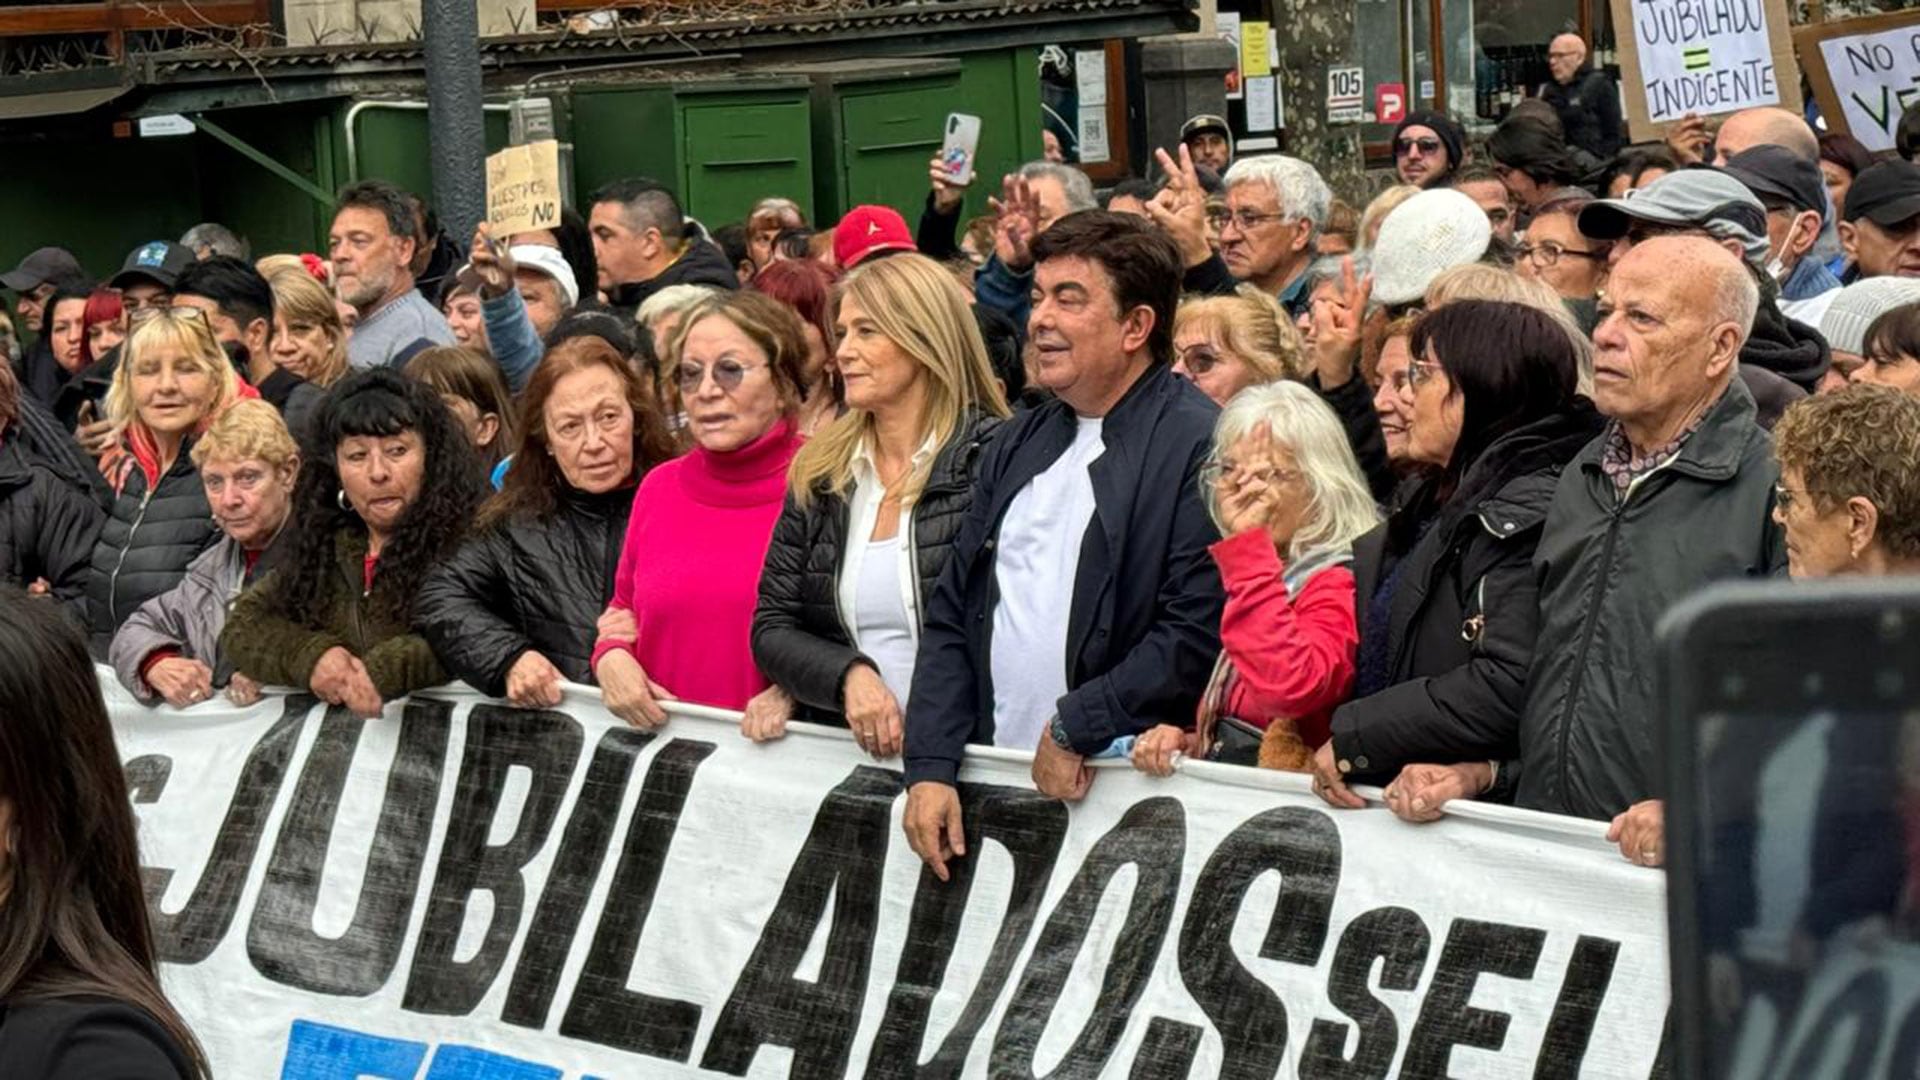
(318, 1052)
(468, 1063)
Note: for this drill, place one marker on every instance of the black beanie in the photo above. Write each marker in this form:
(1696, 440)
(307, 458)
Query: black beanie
(1450, 134)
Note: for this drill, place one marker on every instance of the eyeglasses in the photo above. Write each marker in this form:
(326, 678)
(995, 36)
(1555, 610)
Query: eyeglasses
(1199, 359)
(1427, 147)
(1421, 372)
(727, 375)
(1786, 496)
(190, 314)
(1547, 253)
(1248, 220)
(1226, 468)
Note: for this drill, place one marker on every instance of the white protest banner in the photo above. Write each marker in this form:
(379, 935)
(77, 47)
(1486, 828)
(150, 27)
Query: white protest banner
(1864, 72)
(523, 188)
(1705, 57)
(462, 889)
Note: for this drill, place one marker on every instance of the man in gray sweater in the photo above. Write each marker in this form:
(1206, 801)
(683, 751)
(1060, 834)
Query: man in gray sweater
(371, 245)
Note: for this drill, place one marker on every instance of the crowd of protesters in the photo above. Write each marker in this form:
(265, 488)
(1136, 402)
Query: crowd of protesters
(1210, 465)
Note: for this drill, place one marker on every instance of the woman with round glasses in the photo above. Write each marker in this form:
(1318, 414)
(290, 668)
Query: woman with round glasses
(1447, 590)
(681, 619)
(1554, 251)
(1225, 344)
(512, 613)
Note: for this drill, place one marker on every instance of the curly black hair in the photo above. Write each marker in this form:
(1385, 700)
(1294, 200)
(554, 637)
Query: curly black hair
(380, 403)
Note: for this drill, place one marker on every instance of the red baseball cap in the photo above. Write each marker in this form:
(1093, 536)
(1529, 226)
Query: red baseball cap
(867, 229)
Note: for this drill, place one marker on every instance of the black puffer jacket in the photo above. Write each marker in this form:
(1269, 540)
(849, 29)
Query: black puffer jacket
(148, 539)
(799, 640)
(526, 584)
(702, 263)
(47, 527)
(1465, 611)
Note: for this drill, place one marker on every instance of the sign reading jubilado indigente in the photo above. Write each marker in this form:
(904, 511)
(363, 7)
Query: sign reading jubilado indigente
(462, 890)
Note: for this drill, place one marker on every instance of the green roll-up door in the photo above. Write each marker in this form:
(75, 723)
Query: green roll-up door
(738, 152)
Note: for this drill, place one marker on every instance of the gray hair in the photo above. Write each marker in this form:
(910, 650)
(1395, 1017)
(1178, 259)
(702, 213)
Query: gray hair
(1303, 195)
(1079, 189)
(1340, 509)
(1736, 297)
(1329, 268)
(217, 239)
(669, 300)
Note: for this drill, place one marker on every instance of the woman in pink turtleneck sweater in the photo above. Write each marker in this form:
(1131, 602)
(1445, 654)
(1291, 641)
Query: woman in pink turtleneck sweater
(680, 623)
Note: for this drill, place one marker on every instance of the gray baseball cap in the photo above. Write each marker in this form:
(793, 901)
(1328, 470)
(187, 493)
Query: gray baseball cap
(1703, 198)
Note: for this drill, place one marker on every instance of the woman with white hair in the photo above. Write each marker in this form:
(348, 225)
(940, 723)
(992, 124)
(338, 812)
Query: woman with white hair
(1286, 491)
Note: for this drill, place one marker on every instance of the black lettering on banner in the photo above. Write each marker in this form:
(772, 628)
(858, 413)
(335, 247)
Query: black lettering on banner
(1575, 1011)
(842, 859)
(190, 935)
(583, 847)
(1864, 1002)
(1167, 1050)
(281, 940)
(1304, 847)
(147, 777)
(547, 744)
(1031, 827)
(1151, 836)
(602, 1009)
(1446, 1019)
(1399, 939)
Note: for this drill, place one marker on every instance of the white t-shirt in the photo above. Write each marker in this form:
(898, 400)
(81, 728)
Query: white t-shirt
(882, 628)
(1037, 556)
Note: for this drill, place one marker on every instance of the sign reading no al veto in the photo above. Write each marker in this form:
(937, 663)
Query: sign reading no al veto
(1864, 72)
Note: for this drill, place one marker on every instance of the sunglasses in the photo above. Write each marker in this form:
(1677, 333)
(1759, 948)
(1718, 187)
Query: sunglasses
(727, 375)
(1403, 147)
(1199, 359)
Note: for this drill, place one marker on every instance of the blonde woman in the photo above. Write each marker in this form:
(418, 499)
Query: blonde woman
(1285, 490)
(308, 338)
(170, 647)
(1225, 344)
(874, 501)
(173, 380)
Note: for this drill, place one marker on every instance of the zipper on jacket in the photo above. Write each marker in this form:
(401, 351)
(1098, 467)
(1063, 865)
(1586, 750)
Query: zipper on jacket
(1598, 593)
(113, 579)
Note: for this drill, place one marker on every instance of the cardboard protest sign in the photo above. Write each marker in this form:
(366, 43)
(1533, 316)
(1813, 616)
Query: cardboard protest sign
(1864, 72)
(523, 188)
(1703, 56)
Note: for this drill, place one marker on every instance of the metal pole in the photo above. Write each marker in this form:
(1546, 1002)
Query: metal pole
(450, 30)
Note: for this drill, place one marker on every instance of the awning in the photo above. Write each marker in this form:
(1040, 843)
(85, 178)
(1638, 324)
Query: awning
(58, 102)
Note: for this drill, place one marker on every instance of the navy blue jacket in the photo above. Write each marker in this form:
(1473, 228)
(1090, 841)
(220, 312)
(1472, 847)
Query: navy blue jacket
(1143, 628)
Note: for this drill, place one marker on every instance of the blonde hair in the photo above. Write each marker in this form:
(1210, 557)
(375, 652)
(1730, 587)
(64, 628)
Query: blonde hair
(1253, 326)
(193, 337)
(924, 312)
(297, 297)
(268, 265)
(249, 429)
(1339, 509)
(1481, 281)
(1376, 212)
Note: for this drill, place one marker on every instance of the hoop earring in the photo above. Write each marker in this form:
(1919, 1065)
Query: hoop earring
(340, 497)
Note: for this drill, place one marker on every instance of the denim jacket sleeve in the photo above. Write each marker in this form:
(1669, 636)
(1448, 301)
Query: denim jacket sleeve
(516, 348)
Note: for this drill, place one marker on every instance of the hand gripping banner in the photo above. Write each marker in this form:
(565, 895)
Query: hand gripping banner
(462, 890)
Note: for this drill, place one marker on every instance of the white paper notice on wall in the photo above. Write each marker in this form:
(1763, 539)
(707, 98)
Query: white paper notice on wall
(1093, 135)
(1090, 76)
(1227, 24)
(1260, 103)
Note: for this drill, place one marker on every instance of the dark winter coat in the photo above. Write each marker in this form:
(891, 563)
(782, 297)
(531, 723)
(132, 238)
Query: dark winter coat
(702, 263)
(1589, 110)
(1792, 350)
(526, 584)
(146, 543)
(1608, 569)
(266, 645)
(1465, 611)
(1143, 625)
(86, 1038)
(48, 527)
(799, 639)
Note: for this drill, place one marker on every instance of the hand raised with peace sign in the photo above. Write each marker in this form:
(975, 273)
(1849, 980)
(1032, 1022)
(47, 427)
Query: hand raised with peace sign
(1337, 326)
(1017, 223)
(1181, 207)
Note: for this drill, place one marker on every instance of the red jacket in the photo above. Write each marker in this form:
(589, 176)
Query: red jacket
(1290, 657)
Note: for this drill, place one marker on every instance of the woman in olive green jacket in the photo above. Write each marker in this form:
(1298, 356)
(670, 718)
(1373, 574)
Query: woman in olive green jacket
(385, 492)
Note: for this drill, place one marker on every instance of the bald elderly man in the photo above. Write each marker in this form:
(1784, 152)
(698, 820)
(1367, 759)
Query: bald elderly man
(1676, 493)
(1586, 100)
(1688, 140)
